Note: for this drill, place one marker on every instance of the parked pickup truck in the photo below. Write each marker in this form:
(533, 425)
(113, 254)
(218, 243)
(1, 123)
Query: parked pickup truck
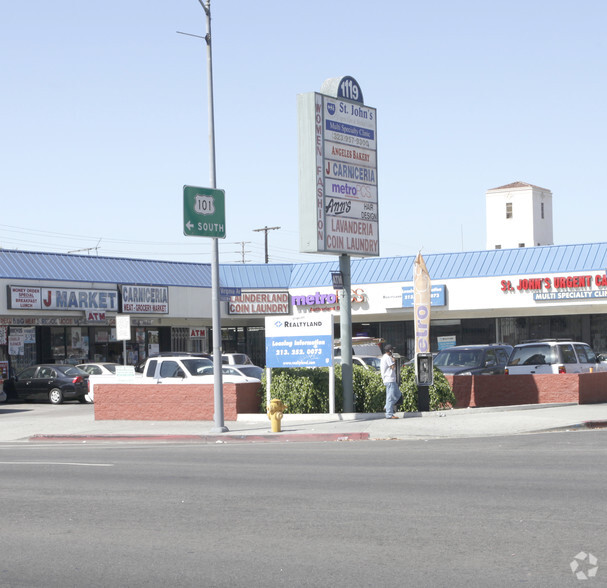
(187, 369)
(176, 368)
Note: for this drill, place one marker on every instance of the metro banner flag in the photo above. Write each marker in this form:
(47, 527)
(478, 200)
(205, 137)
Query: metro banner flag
(421, 305)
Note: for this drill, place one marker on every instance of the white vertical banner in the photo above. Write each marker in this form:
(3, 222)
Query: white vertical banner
(421, 305)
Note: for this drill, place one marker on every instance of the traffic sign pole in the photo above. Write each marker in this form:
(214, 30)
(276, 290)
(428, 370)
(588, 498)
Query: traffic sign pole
(216, 314)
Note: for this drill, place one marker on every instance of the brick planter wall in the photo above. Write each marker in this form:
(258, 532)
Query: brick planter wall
(172, 402)
(527, 389)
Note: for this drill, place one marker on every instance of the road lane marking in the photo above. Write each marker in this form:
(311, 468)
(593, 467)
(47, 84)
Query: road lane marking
(66, 463)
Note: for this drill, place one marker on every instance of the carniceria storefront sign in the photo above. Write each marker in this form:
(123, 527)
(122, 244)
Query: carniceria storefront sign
(145, 299)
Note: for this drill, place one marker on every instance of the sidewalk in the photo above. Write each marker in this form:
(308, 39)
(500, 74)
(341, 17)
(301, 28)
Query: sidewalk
(76, 423)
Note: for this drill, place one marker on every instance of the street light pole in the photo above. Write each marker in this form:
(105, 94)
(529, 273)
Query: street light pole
(216, 314)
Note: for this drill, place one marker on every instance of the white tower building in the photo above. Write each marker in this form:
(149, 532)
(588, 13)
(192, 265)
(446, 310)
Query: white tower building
(518, 215)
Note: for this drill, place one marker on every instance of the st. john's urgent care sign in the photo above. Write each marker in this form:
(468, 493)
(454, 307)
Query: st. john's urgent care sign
(558, 288)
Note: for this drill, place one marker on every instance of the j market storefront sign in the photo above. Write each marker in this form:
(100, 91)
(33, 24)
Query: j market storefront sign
(559, 287)
(95, 302)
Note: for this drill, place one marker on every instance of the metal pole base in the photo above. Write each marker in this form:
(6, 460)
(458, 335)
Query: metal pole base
(219, 430)
(423, 398)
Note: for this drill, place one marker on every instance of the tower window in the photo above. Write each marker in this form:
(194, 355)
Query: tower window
(542, 209)
(508, 209)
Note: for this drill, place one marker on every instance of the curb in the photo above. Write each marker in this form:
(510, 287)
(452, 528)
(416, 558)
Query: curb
(273, 438)
(309, 418)
(584, 426)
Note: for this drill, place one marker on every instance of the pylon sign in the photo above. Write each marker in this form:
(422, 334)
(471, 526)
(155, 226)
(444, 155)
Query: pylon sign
(338, 201)
(204, 212)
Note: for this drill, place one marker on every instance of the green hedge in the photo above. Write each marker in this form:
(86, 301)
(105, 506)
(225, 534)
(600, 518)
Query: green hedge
(306, 390)
(441, 395)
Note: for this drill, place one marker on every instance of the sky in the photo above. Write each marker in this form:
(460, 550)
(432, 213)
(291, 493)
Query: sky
(104, 119)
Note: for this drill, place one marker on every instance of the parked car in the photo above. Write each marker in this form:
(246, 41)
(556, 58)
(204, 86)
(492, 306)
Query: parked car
(94, 370)
(361, 347)
(247, 371)
(553, 356)
(2, 396)
(236, 359)
(369, 362)
(232, 374)
(473, 360)
(99, 369)
(53, 382)
(140, 367)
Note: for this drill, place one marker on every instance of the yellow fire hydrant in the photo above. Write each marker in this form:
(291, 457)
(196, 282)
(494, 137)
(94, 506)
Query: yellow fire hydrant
(275, 411)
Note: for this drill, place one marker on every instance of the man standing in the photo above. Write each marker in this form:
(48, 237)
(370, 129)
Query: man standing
(388, 375)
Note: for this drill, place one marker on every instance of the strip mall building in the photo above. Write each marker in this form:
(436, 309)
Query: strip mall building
(56, 307)
(63, 307)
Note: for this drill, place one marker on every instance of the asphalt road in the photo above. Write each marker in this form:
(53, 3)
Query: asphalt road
(502, 511)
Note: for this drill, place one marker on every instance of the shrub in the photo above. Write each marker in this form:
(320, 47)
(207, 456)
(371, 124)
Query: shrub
(441, 395)
(306, 390)
(369, 390)
(303, 390)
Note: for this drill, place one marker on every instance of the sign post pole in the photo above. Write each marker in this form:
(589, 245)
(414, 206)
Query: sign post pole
(345, 317)
(216, 313)
(338, 199)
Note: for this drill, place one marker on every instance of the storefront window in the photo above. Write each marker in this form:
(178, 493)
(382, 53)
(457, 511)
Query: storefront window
(153, 342)
(598, 333)
(21, 345)
(77, 345)
(104, 346)
(58, 344)
(399, 335)
(256, 345)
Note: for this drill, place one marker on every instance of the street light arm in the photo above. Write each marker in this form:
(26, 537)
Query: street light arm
(206, 7)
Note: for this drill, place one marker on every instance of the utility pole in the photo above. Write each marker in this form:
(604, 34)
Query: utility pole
(266, 229)
(242, 251)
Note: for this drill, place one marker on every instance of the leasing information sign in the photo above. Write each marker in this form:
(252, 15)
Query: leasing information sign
(338, 206)
(301, 341)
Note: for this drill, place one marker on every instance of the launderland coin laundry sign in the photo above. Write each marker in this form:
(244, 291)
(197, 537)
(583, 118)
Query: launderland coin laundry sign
(338, 206)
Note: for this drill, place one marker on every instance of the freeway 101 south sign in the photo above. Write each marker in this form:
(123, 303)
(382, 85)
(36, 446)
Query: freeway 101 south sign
(204, 212)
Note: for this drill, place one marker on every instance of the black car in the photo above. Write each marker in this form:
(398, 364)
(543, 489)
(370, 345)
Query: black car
(473, 360)
(52, 382)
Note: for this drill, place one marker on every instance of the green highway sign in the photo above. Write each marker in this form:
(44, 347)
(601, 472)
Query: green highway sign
(204, 212)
